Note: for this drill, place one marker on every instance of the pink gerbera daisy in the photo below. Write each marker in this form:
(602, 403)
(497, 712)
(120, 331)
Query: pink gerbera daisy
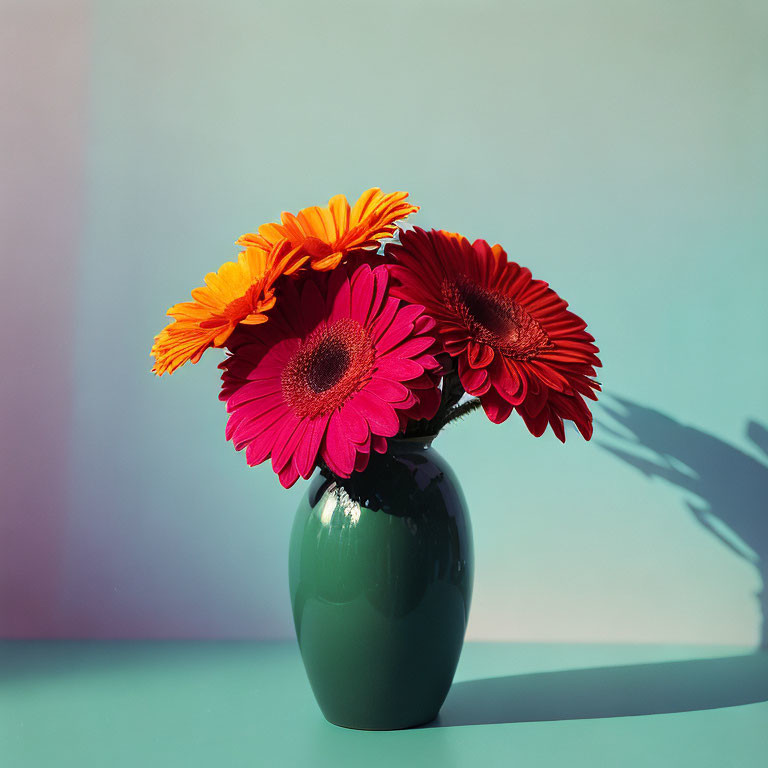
(340, 367)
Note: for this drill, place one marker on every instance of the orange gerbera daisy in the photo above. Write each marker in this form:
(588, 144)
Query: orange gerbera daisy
(240, 292)
(329, 234)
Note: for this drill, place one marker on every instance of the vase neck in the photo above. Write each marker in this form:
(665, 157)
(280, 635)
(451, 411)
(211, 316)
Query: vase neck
(399, 444)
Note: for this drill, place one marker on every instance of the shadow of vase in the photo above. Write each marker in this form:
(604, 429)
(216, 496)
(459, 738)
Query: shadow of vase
(621, 691)
(728, 488)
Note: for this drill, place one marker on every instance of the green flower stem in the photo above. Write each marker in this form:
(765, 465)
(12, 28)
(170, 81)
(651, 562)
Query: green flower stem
(449, 409)
(459, 411)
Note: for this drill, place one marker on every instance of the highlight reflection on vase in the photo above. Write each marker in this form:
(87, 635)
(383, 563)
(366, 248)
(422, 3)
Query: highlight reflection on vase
(381, 572)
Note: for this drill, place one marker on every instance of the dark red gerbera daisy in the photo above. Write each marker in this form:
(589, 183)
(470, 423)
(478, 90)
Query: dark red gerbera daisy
(516, 344)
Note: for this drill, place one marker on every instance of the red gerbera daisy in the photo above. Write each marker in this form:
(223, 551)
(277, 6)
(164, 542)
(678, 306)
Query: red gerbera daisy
(338, 369)
(517, 345)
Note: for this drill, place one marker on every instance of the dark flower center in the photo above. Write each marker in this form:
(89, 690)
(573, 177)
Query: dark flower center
(495, 319)
(327, 363)
(331, 365)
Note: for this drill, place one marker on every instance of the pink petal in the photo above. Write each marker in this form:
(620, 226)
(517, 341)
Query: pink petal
(339, 296)
(261, 444)
(384, 319)
(429, 402)
(381, 416)
(288, 476)
(288, 432)
(398, 331)
(429, 363)
(409, 402)
(330, 460)
(257, 451)
(363, 284)
(397, 369)
(379, 443)
(305, 457)
(274, 361)
(388, 390)
(337, 447)
(244, 426)
(354, 423)
(255, 391)
(423, 324)
(361, 460)
(381, 276)
(294, 323)
(410, 312)
(256, 429)
(312, 304)
(410, 348)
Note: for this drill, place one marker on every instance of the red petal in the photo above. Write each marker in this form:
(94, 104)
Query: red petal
(479, 355)
(496, 408)
(475, 382)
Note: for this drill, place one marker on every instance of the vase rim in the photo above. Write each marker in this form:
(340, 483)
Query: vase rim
(425, 440)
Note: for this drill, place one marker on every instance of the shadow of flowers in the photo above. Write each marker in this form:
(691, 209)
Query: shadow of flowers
(730, 487)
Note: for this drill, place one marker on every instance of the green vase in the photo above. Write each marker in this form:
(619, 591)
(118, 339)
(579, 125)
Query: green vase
(380, 573)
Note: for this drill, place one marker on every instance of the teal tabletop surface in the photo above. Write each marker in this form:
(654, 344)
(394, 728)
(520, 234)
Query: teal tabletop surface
(115, 704)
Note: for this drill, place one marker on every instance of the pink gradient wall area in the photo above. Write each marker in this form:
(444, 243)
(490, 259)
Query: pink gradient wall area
(44, 55)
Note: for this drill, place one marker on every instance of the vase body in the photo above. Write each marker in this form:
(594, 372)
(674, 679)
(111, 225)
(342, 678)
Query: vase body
(380, 573)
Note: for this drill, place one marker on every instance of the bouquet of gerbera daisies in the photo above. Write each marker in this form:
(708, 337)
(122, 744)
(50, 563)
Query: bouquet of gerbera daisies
(344, 332)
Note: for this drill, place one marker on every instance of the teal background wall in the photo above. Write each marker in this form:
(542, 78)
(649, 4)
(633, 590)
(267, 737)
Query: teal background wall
(616, 148)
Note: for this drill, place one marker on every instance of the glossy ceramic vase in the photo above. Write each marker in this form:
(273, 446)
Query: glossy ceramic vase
(381, 571)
